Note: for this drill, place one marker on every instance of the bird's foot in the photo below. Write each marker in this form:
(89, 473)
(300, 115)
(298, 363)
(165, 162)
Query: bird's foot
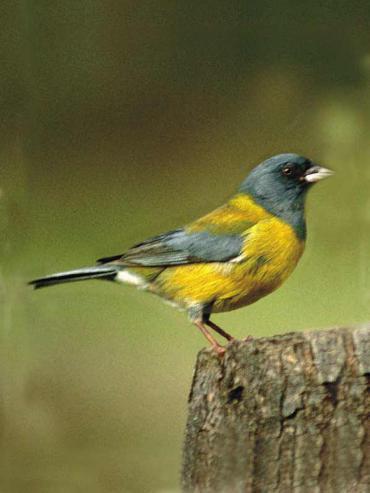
(220, 350)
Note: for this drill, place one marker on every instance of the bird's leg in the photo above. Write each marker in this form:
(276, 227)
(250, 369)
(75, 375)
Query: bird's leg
(219, 330)
(216, 346)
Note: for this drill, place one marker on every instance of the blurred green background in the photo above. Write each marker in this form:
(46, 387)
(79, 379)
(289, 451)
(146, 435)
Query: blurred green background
(120, 120)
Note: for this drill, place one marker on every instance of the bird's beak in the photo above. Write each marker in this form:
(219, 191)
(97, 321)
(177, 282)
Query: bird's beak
(317, 173)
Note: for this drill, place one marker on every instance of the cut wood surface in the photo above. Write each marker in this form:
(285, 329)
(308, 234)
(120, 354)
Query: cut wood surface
(282, 414)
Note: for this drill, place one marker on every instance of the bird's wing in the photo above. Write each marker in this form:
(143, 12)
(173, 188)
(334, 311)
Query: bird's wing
(216, 237)
(181, 247)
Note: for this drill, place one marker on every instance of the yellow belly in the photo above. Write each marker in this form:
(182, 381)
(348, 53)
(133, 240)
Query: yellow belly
(271, 252)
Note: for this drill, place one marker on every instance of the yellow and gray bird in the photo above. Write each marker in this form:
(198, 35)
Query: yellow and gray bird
(228, 258)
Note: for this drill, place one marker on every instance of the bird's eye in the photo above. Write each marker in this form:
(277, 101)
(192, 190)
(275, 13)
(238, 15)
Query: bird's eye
(288, 170)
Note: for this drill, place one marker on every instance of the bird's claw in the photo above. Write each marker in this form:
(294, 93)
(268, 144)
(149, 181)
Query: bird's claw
(220, 351)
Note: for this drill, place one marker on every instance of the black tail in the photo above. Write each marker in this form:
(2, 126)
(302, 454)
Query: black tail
(98, 272)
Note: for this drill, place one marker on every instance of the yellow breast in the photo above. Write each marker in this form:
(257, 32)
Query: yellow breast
(271, 252)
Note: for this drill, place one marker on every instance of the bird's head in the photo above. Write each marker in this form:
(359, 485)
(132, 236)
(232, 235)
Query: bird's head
(280, 183)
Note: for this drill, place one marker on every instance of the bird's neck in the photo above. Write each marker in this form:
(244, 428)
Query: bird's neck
(290, 210)
(292, 214)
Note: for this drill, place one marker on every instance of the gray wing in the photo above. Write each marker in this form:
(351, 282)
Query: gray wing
(181, 247)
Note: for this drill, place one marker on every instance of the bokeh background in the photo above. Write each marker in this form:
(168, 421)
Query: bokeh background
(120, 120)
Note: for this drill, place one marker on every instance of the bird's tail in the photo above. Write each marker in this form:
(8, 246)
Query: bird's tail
(107, 272)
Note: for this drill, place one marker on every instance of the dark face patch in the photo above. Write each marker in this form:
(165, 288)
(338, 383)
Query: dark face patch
(295, 172)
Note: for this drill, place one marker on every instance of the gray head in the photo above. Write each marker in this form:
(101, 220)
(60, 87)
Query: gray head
(280, 184)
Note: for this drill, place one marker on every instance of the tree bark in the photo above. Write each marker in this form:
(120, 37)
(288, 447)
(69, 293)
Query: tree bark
(282, 414)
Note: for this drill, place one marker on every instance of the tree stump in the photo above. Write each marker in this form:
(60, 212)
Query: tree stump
(282, 414)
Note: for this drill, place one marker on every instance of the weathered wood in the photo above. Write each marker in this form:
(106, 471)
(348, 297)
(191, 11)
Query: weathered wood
(282, 414)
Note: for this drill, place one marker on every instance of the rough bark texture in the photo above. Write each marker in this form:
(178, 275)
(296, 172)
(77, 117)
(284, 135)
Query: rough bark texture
(283, 414)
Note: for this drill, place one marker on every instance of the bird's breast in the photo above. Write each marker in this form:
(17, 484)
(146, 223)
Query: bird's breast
(271, 250)
(270, 254)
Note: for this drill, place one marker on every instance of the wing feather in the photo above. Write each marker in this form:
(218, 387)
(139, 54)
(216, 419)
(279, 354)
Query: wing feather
(216, 237)
(179, 248)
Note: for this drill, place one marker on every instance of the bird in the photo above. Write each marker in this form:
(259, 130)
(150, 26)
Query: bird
(226, 259)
